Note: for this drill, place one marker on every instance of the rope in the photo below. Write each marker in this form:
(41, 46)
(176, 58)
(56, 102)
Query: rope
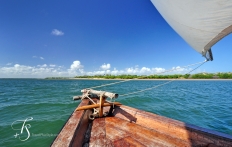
(183, 67)
(148, 88)
(96, 112)
(94, 109)
(163, 83)
(198, 66)
(157, 73)
(109, 84)
(90, 99)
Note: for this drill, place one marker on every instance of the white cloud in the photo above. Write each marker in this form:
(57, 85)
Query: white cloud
(16, 65)
(76, 68)
(39, 71)
(99, 72)
(57, 32)
(105, 66)
(131, 70)
(158, 70)
(115, 72)
(145, 69)
(178, 69)
(108, 71)
(52, 65)
(45, 65)
(76, 65)
(42, 58)
(9, 64)
(81, 71)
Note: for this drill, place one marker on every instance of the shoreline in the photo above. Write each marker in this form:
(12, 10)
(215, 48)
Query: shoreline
(99, 79)
(150, 79)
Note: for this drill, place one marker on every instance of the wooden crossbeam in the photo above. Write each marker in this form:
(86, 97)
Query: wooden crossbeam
(97, 106)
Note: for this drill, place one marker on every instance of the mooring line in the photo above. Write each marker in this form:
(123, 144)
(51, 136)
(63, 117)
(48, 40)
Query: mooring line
(156, 73)
(163, 83)
(109, 84)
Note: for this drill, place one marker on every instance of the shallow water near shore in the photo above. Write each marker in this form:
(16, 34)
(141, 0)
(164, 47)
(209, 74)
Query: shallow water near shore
(48, 104)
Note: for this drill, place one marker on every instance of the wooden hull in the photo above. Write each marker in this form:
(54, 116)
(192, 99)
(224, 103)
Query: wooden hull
(132, 127)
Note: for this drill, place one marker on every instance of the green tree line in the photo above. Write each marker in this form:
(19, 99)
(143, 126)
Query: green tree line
(175, 76)
(56, 78)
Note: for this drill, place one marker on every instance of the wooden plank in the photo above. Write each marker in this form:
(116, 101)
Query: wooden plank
(98, 134)
(66, 134)
(80, 137)
(141, 134)
(196, 136)
(128, 141)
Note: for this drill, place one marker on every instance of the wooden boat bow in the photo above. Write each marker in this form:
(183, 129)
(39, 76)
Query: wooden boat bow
(126, 126)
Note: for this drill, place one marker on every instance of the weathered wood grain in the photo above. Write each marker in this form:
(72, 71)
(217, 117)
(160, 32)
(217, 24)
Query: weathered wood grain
(132, 127)
(68, 131)
(98, 134)
(190, 134)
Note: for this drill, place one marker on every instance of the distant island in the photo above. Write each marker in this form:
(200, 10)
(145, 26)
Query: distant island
(227, 75)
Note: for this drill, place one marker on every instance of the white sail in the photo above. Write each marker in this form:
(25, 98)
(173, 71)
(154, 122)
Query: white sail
(201, 23)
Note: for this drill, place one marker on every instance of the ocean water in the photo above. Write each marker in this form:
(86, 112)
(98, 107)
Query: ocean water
(41, 107)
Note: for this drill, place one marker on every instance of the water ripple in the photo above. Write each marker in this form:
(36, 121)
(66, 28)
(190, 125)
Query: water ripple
(49, 102)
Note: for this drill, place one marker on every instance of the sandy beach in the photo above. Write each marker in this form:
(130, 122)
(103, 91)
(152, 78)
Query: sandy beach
(152, 79)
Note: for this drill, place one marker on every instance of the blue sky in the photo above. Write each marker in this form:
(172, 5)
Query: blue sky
(68, 38)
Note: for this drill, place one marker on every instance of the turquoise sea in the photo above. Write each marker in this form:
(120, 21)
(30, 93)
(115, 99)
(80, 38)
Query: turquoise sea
(47, 104)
